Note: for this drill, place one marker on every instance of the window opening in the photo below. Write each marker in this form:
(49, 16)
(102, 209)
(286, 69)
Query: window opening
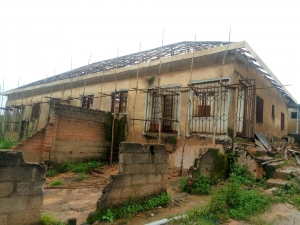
(259, 110)
(293, 115)
(282, 121)
(87, 101)
(273, 112)
(169, 100)
(119, 102)
(35, 111)
(204, 106)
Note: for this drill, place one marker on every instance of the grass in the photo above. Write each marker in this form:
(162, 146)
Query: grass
(56, 183)
(84, 167)
(130, 208)
(80, 177)
(48, 219)
(201, 186)
(7, 143)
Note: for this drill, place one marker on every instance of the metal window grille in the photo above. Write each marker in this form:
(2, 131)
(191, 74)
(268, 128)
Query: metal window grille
(18, 117)
(246, 105)
(282, 121)
(35, 111)
(119, 102)
(259, 110)
(207, 106)
(169, 116)
(87, 102)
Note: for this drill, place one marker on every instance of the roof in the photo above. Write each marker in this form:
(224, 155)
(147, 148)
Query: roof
(168, 51)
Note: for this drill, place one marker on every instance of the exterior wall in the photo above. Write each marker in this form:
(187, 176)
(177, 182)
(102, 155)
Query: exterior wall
(292, 122)
(21, 189)
(141, 174)
(271, 96)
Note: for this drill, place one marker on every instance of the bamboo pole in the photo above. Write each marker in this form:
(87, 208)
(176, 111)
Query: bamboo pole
(186, 125)
(113, 124)
(86, 72)
(103, 72)
(220, 93)
(136, 86)
(159, 91)
(71, 78)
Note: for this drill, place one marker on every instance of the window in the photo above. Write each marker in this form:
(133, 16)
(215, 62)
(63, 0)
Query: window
(87, 101)
(273, 112)
(119, 102)
(282, 121)
(259, 110)
(293, 115)
(168, 103)
(208, 106)
(35, 111)
(17, 117)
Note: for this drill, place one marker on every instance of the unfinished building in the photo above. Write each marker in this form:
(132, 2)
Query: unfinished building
(188, 96)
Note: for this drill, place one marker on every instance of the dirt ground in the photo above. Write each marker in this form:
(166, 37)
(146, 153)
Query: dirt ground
(76, 199)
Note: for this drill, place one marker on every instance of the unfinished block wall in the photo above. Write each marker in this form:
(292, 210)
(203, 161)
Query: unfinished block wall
(141, 174)
(71, 134)
(77, 134)
(21, 189)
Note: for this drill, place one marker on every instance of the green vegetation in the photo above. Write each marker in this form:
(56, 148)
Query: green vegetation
(81, 176)
(56, 183)
(73, 167)
(130, 208)
(171, 140)
(48, 219)
(7, 143)
(201, 186)
(289, 193)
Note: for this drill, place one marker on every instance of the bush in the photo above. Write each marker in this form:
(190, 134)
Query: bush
(48, 219)
(56, 183)
(201, 186)
(81, 176)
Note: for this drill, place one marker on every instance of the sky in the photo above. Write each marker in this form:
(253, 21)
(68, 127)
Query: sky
(41, 38)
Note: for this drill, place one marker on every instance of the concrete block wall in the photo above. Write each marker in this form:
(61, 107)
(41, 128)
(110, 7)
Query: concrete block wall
(21, 189)
(71, 134)
(78, 134)
(142, 169)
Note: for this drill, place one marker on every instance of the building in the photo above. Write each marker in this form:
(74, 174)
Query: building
(188, 95)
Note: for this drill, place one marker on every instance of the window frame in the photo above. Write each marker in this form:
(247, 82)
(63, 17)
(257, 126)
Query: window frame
(123, 99)
(282, 121)
(87, 101)
(295, 115)
(35, 111)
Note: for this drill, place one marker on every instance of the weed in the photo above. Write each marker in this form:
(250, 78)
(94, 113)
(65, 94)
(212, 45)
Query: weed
(201, 186)
(51, 173)
(131, 208)
(109, 216)
(56, 183)
(7, 143)
(48, 219)
(81, 176)
(240, 173)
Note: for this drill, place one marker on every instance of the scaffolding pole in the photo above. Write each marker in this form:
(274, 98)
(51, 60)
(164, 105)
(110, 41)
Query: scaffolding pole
(136, 89)
(186, 125)
(159, 91)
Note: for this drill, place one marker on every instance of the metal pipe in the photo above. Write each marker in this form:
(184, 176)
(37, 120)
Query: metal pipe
(166, 221)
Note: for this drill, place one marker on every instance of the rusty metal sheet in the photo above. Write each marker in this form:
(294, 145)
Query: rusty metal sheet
(263, 140)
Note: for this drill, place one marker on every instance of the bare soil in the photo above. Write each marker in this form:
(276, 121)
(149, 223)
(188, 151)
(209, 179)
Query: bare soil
(76, 199)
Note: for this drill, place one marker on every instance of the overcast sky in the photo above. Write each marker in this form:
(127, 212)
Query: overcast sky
(40, 37)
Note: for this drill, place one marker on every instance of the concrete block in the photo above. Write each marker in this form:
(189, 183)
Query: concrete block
(125, 157)
(139, 179)
(131, 168)
(35, 202)
(3, 220)
(148, 168)
(161, 158)
(11, 158)
(154, 178)
(128, 192)
(146, 190)
(141, 158)
(30, 188)
(161, 168)
(114, 193)
(13, 204)
(121, 180)
(14, 174)
(6, 189)
(26, 217)
(160, 187)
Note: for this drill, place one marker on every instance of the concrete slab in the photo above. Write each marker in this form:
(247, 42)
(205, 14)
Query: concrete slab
(276, 182)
